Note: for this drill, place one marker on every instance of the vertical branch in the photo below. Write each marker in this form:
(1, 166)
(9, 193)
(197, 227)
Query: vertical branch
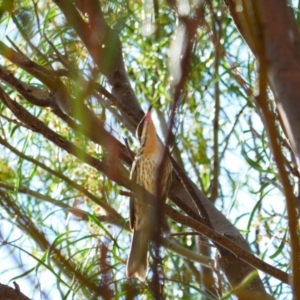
(217, 33)
(262, 101)
(216, 165)
(187, 32)
(190, 25)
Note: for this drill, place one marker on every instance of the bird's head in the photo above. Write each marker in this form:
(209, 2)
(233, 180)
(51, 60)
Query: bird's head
(145, 128)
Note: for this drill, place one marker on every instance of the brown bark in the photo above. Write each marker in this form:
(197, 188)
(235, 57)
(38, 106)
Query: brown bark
(225, 235)
(234, 268)
(105, 48)
(8, 293)
(282, 46)
(94, 35)
(271, 32)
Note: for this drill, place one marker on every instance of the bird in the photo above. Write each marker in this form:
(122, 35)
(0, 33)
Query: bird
(142, 216)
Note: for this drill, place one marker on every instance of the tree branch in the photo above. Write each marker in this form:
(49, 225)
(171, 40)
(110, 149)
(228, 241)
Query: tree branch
(7, 293)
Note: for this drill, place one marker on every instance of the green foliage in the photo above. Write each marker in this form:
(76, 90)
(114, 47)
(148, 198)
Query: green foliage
(51, 187)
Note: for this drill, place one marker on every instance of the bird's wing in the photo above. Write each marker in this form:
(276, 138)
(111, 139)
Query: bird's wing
(131, 213)
(170, 179)
(131, 201)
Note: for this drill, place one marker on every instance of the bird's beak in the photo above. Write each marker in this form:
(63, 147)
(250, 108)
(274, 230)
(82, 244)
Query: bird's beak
(148, 113)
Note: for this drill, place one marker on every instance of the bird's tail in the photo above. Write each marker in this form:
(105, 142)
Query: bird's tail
(137, 263)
